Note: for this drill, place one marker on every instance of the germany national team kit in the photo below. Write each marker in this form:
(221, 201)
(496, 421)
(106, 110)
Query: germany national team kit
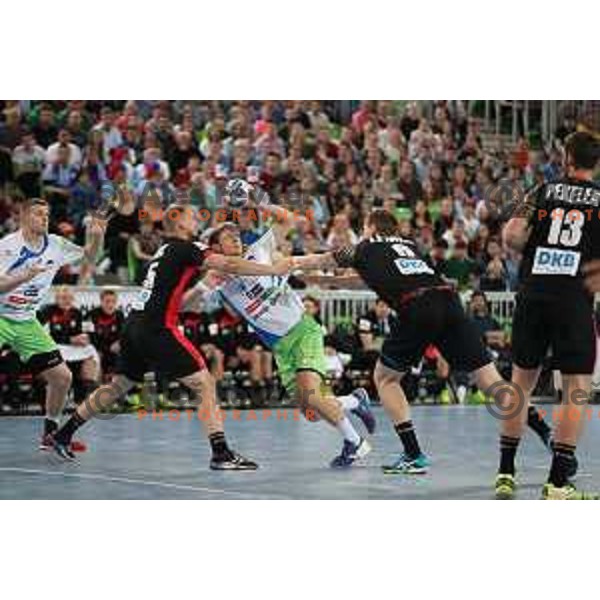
(553, 309)
(105, 329)
(429, 310)
(62, 323)
(151, 338)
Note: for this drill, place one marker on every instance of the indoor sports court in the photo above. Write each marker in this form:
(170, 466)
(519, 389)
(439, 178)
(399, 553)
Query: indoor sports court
(403, 260)
(140, 459)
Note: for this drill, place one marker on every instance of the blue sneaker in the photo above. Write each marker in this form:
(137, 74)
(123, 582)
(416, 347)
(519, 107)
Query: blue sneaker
(410, 466)
(363, 410)
(351, 453)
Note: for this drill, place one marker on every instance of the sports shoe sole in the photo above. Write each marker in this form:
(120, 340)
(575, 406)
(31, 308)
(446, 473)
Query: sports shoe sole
(411, 471)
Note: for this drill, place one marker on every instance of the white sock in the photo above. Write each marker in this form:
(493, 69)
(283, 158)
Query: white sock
(348, 402)
(348, 431)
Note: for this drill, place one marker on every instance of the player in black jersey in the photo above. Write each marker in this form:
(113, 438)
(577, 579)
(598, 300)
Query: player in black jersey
(557, 229)
(429, 312)
(151, 340)
(105, 325)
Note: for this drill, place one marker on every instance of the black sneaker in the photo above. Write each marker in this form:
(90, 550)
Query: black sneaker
(232, 461)
(64, 451)
(573, 468)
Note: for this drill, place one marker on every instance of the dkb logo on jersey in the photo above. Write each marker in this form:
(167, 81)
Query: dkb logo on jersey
(413, 266)
(550, 261)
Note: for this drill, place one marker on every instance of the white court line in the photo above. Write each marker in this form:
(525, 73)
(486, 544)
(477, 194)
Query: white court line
(110, 478)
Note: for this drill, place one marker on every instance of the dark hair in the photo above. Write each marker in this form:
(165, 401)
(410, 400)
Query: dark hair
(481, 294)
(215, 236)
(105, 293)
(385, 222)
(583, 149)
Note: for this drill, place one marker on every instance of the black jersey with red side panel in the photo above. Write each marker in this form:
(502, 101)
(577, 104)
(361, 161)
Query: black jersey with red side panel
(174, 268)
(565, 234)
(390, 266)
(104, 328)
(62, 324)
(195, 327)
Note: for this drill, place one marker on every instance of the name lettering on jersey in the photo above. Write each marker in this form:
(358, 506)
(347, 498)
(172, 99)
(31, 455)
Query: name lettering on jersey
(552, 261)
(392, 239)
(573, 194)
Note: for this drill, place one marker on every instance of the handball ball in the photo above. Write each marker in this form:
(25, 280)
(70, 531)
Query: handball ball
(238, 192)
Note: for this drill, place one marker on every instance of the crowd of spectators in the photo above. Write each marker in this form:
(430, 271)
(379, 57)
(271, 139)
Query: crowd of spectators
(435, 173)
(446, 187)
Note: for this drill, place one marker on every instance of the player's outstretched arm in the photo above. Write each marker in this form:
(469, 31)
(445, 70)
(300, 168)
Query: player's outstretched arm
(315, 261)
(96, 231)
(11, 282)
(517, 230)
(239, 266)
(516, 233)
(330, 260)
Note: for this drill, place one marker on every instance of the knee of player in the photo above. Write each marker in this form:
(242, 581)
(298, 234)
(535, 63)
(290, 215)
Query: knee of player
(201, 381)
(310, 414)
(384, 376)
(61, 377)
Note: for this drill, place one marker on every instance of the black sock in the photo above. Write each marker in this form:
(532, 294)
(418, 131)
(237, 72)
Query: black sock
(85, 389)
(50, 426)
(218, 444)
(508, 451)
(408, 437)
(536, 422)
(562, 461)
(65, 433)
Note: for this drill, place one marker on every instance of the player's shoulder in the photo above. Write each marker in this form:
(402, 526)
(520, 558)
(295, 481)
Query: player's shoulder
(201, 246)
(388, 240)
(535, 192)
(53, 238)
(58, 241)
(10, 241)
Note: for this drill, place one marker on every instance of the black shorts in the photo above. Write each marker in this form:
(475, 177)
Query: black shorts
(250, 341)
(564, 325)
(161, 350)
(435, 317)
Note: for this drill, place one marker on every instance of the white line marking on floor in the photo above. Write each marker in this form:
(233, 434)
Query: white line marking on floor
(110, 478)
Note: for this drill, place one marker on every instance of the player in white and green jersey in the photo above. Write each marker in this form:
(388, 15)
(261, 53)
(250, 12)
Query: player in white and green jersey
(276, 313)
(29, 260)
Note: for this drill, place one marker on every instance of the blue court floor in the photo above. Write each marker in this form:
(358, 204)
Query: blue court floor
(131, 458)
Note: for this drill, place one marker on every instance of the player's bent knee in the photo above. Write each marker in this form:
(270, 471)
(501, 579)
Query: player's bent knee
(199, 381)
(525, 379)
(60, 376)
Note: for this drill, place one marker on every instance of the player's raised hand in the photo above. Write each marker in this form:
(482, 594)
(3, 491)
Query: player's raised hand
(592, 275)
